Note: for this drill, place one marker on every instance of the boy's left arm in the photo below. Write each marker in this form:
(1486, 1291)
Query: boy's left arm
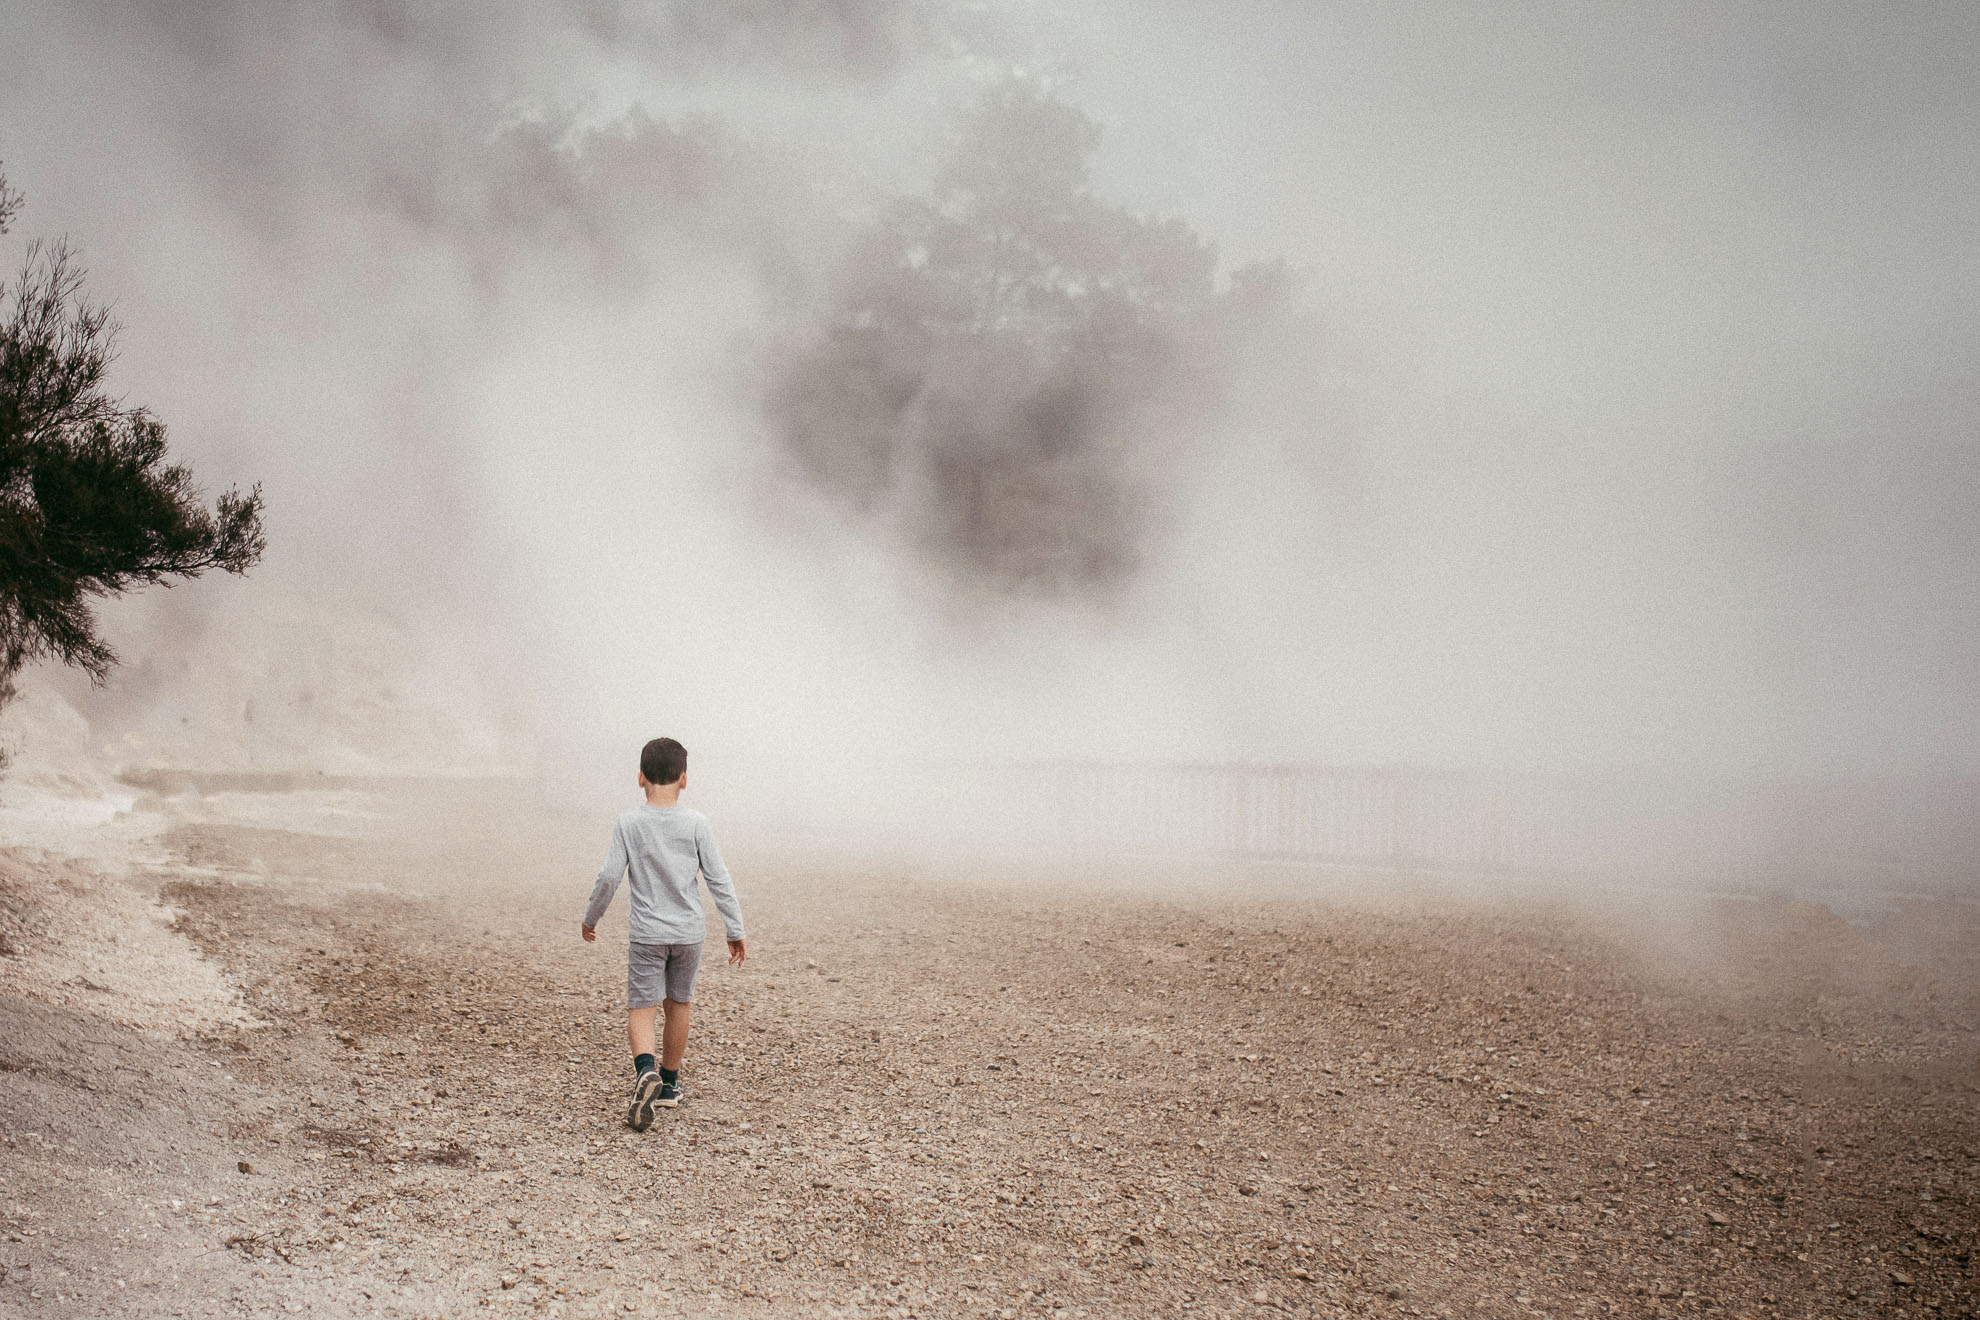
(723, 889)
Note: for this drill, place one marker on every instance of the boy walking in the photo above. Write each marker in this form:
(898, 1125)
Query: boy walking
(664, 845)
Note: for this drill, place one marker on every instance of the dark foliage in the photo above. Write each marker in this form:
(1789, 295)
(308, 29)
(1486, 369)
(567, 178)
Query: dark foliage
(89, 507)
(994, 368)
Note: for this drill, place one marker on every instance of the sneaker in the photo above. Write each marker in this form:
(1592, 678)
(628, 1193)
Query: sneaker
(670, 1094)
(640, 1115)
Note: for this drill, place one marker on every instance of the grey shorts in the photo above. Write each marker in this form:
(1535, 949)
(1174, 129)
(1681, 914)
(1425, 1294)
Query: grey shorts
(661, 971)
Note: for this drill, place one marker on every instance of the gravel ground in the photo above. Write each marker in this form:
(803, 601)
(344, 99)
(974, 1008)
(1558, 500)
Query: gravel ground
(977, 1089)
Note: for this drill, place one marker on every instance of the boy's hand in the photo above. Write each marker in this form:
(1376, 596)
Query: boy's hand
(589, 935)
(737, 952)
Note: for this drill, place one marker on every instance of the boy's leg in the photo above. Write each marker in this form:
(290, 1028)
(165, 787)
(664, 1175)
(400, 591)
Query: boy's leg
(673, 1044)
(643, 978)
(646, 1089)
(639, 1029)
(682, 962)
(646, 986)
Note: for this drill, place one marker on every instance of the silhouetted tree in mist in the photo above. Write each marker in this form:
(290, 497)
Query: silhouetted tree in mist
(88, 506)
(997, 364)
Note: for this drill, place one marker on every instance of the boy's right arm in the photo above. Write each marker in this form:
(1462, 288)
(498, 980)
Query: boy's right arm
(609, 875)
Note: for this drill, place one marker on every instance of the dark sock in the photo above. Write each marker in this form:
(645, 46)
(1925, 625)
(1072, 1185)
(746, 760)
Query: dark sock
(670, 1076)
(642, 1063)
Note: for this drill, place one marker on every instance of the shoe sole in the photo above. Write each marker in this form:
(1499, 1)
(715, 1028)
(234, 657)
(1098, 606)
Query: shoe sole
(640, 1116)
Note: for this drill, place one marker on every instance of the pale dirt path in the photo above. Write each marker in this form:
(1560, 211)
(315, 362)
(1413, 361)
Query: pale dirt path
(961, 1092)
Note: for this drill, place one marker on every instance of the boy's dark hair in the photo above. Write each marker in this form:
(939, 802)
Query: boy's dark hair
(662, 761)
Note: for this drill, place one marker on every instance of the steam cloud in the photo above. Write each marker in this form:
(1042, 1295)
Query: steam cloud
(910, 375)
(859, 40)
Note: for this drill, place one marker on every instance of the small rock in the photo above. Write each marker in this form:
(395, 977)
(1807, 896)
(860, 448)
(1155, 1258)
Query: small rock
(245, 1167)
(509, 1281)
(1261, 1297)
(1715, 1217)
(1393, 1292)
(1247, 1189)
(1900, 1278)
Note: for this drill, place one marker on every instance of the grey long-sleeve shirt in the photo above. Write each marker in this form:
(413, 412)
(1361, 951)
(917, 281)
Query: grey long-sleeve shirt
(664, 848)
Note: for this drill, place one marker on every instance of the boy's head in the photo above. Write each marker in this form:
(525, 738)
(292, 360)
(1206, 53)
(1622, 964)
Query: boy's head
(662, 761)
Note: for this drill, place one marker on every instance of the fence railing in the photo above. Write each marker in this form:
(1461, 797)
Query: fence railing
(1923, 831)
